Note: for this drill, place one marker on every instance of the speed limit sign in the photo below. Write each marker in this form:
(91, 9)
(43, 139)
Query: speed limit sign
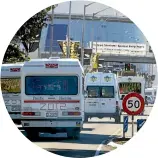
(133, 104)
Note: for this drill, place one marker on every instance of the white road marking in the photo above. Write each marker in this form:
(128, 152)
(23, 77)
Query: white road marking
(111, 136)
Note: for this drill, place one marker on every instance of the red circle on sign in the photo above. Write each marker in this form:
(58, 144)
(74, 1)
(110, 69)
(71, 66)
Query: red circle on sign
(141, 99)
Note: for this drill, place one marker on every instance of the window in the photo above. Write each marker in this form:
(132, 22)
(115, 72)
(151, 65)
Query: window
(107, 92)
(93, 91)
(11, 85)
(51, 85)
(100, 91)
(127, 87)
(148, 93)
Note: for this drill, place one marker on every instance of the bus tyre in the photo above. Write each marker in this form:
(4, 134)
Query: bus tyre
(17, 122)
(86, 119)
(32, 135)
(73, 135)
(118, 119)
(77, 135)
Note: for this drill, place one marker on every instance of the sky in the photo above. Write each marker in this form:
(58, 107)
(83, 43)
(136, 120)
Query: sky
(77, 7)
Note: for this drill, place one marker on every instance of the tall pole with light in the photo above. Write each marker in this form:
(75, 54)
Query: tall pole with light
(51, 34)
(68, 33)
(93, 26)
(83, 29)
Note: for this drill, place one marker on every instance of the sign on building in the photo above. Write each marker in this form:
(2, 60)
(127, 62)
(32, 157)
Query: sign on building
(119, 48)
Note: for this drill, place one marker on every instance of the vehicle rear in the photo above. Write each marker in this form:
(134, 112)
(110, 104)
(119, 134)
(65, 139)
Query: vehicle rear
(102, 99)
(11, 90)
(52, 97)
(128, 84)
(151, 92)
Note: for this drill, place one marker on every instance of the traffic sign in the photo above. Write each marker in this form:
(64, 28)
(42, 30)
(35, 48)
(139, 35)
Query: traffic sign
(140, 123)
(133, 104)
(125, 124)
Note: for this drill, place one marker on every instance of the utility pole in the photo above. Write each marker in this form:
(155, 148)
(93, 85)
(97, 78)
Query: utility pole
(83, 29)
(51, 34)
(68, 34)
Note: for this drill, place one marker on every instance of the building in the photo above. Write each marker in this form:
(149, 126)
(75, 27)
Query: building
(105, 29)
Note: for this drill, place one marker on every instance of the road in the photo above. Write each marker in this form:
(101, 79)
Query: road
(93, 134)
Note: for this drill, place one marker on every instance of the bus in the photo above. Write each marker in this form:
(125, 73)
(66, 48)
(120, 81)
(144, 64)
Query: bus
(102, 98)
(52, 97)
(11, 89)
(129, 84)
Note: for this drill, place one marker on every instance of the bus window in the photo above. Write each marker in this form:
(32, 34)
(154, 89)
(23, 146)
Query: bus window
(93, 91)
(51, 85)
(127, 87)
(10, 85)
(107, 92)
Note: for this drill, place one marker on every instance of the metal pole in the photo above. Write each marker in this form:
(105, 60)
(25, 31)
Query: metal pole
(92, 33)
(132, 125)
(68, 44)
(39, 51)
(51, 39)
(82, 42)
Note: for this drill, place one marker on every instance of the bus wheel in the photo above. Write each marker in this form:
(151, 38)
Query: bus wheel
(17, 122)
(86, 119)
(73, 135)
(118, 119)
(32, 135)
(77, 135)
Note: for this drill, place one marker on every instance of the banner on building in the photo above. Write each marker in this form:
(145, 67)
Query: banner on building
(119, 48)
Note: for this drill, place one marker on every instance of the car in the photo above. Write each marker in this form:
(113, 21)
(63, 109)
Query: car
(150, 99)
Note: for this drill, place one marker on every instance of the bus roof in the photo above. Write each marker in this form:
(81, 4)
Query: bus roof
(55, 64)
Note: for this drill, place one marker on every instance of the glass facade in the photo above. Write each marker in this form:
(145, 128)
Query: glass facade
(103, 32)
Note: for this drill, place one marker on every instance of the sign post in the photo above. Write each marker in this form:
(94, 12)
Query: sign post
(125, 125)
(132, 125)
(133, 104)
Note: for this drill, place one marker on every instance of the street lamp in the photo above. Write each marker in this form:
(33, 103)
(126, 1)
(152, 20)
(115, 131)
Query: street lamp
(83, 28)
(68, 34)
(51, 38)
(93, 25)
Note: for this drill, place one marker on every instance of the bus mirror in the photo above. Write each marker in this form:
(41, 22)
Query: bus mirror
(85, 94)
(122, 97)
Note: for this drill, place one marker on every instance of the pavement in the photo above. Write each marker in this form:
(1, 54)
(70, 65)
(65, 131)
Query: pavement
(94, 139)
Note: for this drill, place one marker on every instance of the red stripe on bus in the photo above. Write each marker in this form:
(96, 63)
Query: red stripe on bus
(51, 101)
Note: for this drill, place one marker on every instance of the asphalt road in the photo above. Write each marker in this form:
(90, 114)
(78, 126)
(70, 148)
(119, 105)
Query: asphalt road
(94, 133)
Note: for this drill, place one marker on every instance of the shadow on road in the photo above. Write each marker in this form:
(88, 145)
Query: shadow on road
(95, 139)
(73, 152)
(88, 129)
(102, 122)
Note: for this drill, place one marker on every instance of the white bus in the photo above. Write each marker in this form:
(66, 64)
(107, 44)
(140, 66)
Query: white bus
(129, 84)
(11, 89)
(102, 98)
(52, 97)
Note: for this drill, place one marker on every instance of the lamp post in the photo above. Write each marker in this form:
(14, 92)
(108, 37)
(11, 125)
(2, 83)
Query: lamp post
(83, 29)
(93, 25)
(51, 39)
(68, 36)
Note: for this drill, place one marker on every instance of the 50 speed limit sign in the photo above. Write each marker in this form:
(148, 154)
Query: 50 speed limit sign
(133, 104)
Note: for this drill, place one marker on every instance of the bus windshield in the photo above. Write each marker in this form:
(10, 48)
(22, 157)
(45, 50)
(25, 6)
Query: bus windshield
(127, 87)
(11, 85)
(51, 85)
(93, 91)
